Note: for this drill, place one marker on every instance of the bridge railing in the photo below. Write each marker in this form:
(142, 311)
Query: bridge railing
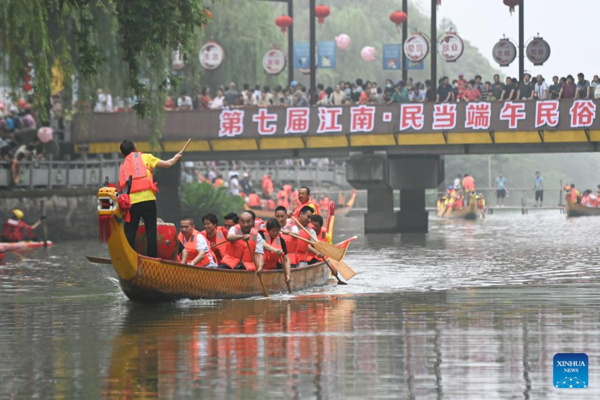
(49, 174)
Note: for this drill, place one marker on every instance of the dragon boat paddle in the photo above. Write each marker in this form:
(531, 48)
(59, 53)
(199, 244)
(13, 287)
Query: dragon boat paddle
(99, 260)
(43, 219)
(334, 271)
(322, 247)
(287, 283)
(186, 145)
(264, 288)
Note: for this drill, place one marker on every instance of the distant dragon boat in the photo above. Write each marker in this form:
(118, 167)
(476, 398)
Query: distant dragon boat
(23, 245)
(469, 212)
(577, 210)
(146, 279)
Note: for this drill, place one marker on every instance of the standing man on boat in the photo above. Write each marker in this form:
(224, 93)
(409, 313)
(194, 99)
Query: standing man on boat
(143, 192)
(305, 201)
(197, 251)
(15, 230)
(244, 242)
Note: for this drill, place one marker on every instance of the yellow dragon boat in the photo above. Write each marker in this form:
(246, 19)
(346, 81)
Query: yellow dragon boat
(147, 279)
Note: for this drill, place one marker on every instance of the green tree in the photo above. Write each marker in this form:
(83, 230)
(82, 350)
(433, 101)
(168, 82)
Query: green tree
(198, 199)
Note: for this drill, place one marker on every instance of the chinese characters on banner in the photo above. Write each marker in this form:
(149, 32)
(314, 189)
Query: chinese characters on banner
(444, 117)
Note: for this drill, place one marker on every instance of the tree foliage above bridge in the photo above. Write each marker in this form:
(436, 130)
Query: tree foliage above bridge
(79, 36)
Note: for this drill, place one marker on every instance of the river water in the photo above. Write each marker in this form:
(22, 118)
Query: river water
(473, 310)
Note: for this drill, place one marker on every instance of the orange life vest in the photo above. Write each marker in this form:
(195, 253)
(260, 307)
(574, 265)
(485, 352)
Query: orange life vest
(238, 251)
(324, 203)
(134, 166)
(192, 250)
(312, 205)
(282, 199)
(468, 184)
(271, 258)
(270, 204)
(260, 225)
(253, 200)
(218, 237)
(298, 249)
(219, 182)
(321, 237)
(14, 230)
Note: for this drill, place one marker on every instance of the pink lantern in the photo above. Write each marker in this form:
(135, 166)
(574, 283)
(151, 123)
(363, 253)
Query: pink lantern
(343, 41)
(45, 134)
(368, 53)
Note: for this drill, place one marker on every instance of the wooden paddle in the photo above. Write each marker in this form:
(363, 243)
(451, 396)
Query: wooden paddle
(288, 284)
(264, 288)
(213, 246)
(347, 272)
(99, 260)
(43, 218)
(322, 247)
(186, 145)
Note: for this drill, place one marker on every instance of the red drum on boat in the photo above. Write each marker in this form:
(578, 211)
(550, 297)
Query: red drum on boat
(166, 238)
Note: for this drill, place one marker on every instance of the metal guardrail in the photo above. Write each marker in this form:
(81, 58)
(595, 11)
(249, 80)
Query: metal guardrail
(48, 174)
(297, 174)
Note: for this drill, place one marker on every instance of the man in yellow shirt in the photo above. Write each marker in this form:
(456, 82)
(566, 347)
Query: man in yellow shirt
(143, 192)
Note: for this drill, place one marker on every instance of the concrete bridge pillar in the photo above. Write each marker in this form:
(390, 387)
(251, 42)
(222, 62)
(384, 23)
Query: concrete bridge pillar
(168, 203)
(380, 174)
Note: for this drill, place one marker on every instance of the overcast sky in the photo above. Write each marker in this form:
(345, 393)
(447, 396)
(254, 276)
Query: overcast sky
(574, 44)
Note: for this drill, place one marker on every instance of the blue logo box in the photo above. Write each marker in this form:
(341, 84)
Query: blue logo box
(571, 371)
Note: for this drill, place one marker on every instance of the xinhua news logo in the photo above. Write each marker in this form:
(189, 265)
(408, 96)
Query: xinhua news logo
(571, 371)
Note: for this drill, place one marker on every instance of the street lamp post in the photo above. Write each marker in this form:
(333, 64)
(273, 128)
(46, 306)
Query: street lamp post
(434, 45)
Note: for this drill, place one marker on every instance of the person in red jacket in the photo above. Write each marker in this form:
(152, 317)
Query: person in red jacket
(15, 230)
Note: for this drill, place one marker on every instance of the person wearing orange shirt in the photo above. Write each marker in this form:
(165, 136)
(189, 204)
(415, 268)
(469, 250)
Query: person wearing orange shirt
(215, 234)
(267, 187)
(305, 201)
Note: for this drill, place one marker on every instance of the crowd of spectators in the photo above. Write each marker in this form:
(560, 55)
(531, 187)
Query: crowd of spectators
(367, 92)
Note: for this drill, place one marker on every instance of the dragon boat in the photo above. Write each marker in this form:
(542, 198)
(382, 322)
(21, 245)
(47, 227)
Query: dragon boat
(23, 245)
(577, 210)
(147, 279)
(469, 212)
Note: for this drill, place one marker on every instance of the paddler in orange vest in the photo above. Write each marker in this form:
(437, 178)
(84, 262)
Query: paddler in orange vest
(305, 201)
(322, 236)
(196, 250)
(468, 186)
(244, 241)
(267, 187)
(15, 230)
(230, 220)
(281, 215)
(276, 253)
(283, 199)
(254, 201)
(143, 192)
(298, 249)
(324, 203)
(215, 234)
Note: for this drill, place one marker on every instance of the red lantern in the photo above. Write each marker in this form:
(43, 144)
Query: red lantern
(512, 4)
(321, 12)
(27, 78)
(284, 22)
(398, 18)
(27, 87)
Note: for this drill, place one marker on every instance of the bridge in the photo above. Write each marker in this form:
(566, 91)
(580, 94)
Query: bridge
(398, 146)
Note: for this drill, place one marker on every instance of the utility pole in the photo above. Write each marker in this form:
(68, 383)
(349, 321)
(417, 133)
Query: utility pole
(521, 41)
(434, 83)
(290, 59)
(313, 55)
(404, 37)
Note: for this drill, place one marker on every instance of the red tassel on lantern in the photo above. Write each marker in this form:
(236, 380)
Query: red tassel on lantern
(512, 4)
(439, 2)
(321, 12)
(104, 227)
